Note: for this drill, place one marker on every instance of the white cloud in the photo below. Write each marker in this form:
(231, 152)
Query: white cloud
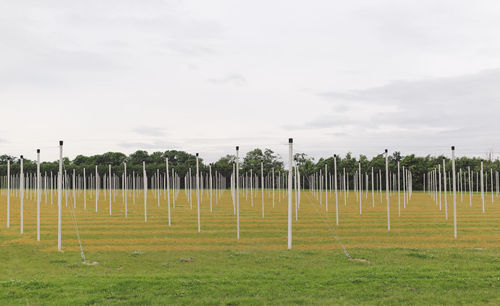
(110, 75)
(234, 78)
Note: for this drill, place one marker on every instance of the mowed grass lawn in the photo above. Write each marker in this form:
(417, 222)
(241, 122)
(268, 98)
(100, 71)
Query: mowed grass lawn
(417, 262)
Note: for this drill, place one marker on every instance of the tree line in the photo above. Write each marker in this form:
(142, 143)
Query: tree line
(181, 162)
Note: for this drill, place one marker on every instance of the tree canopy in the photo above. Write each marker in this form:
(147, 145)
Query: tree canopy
(181, 162)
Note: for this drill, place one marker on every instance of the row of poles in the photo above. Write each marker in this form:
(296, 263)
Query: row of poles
(318, 182)
(465, 183)
(326, 183)
(110, 181)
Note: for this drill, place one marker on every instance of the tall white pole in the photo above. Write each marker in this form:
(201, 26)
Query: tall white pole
(359, 186)
(470, 188)
(251, 187)
(38, 195)
(491, 183)
(399, 197)
(273, 187)
(404, 187)
(109, 188)
(373, 190)
(237, 193)
(21, 180)
(125, 187)
(85, 191)
(326, 187)
(445, 191)
(59, 195)
(290, 165)
(190, 188)
(145, 183)
(439, 185)
(96, 187)
(455, 191)
(168, 190)
(173, 188)
(335, 186)
(262, 185)
(74, 193)
(198, 191)
(157, 189)
(210, 183)
(387, 189)
(345, 188)
(8, 192)
(482, 185)
(296, 191)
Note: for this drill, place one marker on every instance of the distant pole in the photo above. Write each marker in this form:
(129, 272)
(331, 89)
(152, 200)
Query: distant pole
(251, 187)
(190, 189)
(21, 180)
(96, 187)
(273, 187)
(373, 190)
(455, 191)
(387, 189)
(279, 186)
(359, 186)
(445, 190)
(335, 186)
(157, 187)
(296, 191)
(85, 191)
(326, 187)
(237, 193)
(74, 193)
(404, 187)
(399, 196)
(290, 165)
(8, 192)
(482, 185)
(491, 183)
(345, 188)
(439, 185)
(262, 185)
(38, 195)
(125, 187)
(145, 183)
(470, 188)
(168, 190)
(210, 183)
(198, 191)
(59, 195)
(109, 188)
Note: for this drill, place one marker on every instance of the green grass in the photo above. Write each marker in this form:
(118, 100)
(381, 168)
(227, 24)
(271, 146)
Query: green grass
(418, 262)
(391, 276)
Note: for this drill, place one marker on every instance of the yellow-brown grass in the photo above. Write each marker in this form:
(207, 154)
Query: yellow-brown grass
(421, 224)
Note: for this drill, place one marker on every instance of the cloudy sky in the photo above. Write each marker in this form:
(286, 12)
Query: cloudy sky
(204, 76)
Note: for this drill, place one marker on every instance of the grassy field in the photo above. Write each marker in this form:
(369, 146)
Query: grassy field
(417, 262)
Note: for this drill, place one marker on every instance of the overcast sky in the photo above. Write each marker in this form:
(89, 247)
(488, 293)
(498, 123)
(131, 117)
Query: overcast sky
(205, 76)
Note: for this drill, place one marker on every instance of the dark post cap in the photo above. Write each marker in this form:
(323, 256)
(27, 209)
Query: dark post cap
(385, 150)
(37, 150)
(197, 154)
(21, 156)
(290, 140)
(60, 142)
(334, 155)
(237, 148)
(452, 148)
